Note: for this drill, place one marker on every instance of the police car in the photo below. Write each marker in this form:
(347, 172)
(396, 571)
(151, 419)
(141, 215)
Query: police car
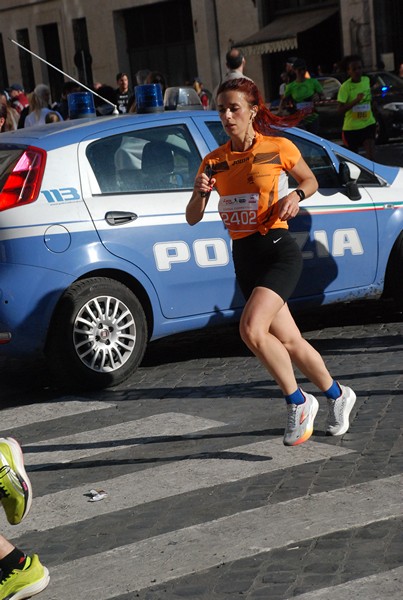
(97, 260)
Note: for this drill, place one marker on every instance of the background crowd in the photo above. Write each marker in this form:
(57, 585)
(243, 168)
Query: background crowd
(19, 109)
(299, 91)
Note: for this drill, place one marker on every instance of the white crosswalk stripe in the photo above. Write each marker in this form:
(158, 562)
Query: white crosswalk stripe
(193, 549)
(20, 416)
(114, 437)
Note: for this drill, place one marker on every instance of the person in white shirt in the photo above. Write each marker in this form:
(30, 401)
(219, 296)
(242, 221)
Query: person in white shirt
(235, 61)
(39, 106)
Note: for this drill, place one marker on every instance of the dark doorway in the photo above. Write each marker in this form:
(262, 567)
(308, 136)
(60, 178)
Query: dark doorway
(53, 55)
(3, 67)
(82, 56)
(160, 38)
(27, 69)
(388, 17)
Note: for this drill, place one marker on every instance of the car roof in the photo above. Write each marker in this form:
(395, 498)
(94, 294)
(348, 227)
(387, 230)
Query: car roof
(54, 135)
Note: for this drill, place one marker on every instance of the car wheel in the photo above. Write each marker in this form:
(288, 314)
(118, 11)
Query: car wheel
(98, 335)
(393, 279)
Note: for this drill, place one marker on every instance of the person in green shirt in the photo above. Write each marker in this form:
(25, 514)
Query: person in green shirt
(302, 93)
(355, 102)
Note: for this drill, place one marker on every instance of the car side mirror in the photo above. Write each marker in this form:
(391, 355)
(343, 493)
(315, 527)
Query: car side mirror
(349, 173)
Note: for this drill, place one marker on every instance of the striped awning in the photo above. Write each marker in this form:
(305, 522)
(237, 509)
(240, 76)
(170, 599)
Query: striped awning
(282, 33)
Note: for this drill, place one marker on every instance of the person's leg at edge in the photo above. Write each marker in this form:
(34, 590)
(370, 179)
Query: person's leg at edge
(20, 574)
(369, 148)
(5, 548)
(350, 142)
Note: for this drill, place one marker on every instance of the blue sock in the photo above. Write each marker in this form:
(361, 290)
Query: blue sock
(334, 391)
(296, 398)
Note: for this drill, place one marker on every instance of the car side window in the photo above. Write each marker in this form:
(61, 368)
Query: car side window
(366, 177)
(217, 131)
(318, 160)
(157, 159)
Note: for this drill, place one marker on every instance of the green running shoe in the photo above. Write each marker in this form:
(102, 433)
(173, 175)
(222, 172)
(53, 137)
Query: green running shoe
(24, 583)
(15, 487)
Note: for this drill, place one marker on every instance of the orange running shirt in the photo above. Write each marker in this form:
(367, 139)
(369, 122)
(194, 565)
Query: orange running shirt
(251, 183)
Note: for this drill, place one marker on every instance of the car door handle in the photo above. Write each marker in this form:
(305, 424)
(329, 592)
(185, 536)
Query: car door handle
(120, 217)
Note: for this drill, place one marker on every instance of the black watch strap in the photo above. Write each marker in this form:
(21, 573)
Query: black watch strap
(301, 194)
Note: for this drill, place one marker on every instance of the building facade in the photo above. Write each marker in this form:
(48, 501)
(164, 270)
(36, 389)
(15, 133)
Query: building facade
(92, 40)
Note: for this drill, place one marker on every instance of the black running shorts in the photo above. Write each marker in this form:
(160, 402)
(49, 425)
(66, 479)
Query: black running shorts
(354, 139)
(273, 261)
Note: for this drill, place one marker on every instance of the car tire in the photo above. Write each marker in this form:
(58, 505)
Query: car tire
(393, 280)
(98, 335)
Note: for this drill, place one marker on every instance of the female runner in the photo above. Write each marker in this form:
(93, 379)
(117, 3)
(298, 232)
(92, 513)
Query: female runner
(250, 175)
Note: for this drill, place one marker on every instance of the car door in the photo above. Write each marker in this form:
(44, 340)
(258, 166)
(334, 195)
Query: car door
(136, 185)
(338, 236)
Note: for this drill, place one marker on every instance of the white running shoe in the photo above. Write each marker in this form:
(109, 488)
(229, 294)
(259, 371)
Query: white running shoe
(300, 420)
(339, 411)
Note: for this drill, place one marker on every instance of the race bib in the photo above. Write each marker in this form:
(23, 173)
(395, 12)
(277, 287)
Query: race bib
(361, 111)
(239, 212)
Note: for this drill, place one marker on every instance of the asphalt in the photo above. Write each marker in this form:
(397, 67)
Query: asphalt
(326, 524)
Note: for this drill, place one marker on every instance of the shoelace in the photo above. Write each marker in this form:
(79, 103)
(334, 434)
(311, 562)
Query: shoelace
(340, 408)
(4, 470)
(331, 418)
(337, 406)
(292, 415)
(6, 576)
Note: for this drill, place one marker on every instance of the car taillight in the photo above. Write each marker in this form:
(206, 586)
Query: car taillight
(24, 180)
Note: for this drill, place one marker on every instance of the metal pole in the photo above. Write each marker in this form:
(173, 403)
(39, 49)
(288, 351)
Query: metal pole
(84, 66)
(115, 112)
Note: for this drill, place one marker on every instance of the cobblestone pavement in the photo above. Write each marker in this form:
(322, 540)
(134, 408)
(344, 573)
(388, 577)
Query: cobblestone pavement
(204, 502)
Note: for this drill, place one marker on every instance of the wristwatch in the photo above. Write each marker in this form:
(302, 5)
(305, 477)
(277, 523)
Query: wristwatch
(301, 194)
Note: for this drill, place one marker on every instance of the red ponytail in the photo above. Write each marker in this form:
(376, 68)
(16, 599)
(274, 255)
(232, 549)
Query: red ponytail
(265, 121)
